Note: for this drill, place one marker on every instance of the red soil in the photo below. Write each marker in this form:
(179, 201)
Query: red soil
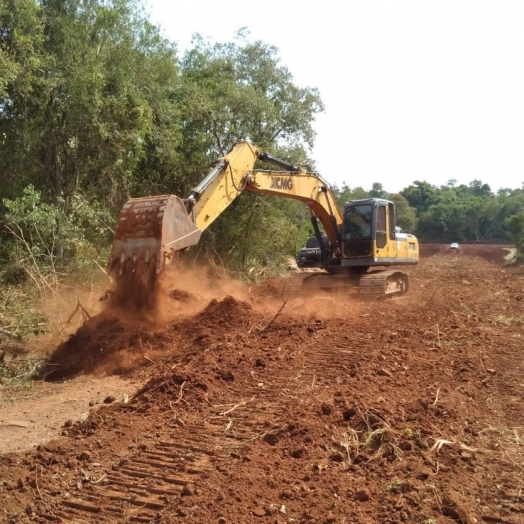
(408, 410)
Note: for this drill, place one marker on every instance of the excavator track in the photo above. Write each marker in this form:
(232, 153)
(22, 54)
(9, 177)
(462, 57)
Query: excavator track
(370, 286)
(292, 286)
(383, 284)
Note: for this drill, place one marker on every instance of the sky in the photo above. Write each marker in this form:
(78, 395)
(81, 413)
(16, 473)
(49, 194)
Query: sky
(413, 89)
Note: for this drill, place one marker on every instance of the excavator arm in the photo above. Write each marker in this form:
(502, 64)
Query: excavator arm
(235, 174)
(151, 230)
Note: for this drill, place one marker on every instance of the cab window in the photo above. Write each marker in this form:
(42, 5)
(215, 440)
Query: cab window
(357, 222)
(382, 238)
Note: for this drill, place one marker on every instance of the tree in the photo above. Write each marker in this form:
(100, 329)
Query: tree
(515, 225)
(344, 193)
(21, 59)
(405, 214)
(94, 102)
(377, 191)
(17, 47)
(240, 90)
(421, 195)
(473, 189)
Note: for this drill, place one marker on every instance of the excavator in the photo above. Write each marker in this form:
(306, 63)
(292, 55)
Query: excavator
(357, 248)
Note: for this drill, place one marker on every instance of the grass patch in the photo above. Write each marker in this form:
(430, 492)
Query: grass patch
(20, 371)
(508, 321)
(392, 486)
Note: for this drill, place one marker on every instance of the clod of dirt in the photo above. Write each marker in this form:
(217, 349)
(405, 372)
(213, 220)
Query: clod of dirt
(181, 296)
(453, 507)
(326, 409)
(362, 495)
(188, 490)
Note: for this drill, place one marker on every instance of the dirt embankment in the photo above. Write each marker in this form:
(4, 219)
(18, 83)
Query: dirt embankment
(408, 410)
(500, 254)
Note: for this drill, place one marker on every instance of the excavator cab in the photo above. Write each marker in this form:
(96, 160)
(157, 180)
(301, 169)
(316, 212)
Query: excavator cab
(369, 231)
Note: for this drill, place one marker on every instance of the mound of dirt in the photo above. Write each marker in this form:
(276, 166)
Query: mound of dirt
(109, 344)
(227, 311)
(100, 346)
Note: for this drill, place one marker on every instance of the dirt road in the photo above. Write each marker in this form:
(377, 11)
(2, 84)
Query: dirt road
(39, 415)
(408, 410)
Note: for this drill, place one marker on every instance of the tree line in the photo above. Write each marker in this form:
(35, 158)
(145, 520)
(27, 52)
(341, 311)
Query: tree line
(97, 106)
(454, 213)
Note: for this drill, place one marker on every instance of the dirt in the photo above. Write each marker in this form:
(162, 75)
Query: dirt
(496, 253)
(328, 410)
(38, 416)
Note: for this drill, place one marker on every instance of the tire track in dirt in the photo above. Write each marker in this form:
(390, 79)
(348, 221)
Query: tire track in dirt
(159, 467)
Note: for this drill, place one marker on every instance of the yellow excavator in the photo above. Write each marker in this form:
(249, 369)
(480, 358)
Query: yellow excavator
(355, 249)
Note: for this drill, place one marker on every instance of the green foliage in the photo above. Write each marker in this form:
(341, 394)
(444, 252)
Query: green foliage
(19, 317)
(245, 79)
(345, 193)
(258, 234)
(239, 90)
(97, 107)
(20, 373)
(462, 213)
(515, 225)
(405, 214)
(420, 195)
(45, 234)
(377, 191)
(83, 116)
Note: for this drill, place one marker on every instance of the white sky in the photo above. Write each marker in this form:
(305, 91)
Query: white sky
(413, 89)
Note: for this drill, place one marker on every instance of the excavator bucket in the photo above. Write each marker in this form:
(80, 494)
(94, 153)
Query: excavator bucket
(148, 232)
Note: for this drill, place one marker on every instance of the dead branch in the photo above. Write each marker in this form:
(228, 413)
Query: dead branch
(509, 458)
(436, 397)
(430, 299)
(274, 318)
(99, 480)
(243, 403)
(36, 482)
(101, 268)
(81, 308)
(20, 236)
(9, 334)
(180, 393)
